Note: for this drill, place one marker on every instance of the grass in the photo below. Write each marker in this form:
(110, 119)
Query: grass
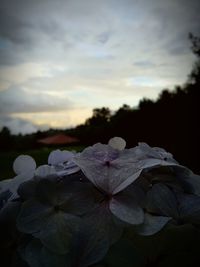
(40, 156)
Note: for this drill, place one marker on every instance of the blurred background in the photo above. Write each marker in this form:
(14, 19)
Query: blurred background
(73, 73)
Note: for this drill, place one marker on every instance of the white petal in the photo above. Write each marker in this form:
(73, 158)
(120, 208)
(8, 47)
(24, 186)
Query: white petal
(114, 177)
(45, 170)
(117, 143)
(23, 164)
(13, 184)
(68, 171)
(127, 182)
(4, 185)
(58, 156)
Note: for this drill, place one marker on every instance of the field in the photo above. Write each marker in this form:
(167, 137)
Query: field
(40, 156)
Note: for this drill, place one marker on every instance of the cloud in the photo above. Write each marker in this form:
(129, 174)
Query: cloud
(63, 55)
(17, 125)
(103, 37)
(144, 64)
(13, 28)
(20, 100)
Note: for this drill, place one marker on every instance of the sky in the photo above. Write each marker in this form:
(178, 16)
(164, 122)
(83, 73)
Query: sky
(61, 59)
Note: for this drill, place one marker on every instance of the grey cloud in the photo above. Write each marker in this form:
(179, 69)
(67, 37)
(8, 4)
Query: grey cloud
(103, 37)
(9, 57)
(13, 28)
(28, 33)
(178, 43)
(178, 49)
(144, 64)
(17, 125)
(39, 28)
(20, 100)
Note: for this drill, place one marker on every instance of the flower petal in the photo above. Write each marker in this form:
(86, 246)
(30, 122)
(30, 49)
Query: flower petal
(90, 246)
(194, 181)
(189, 208)
(4, 196)
(162, 201)
(109, 169)
(24, 164)
(127, 181)
(36, 255)
(27, 189)
(33, 216)
(149, 157)
(126, 210)
(152, 224)
(58, 232)
(58, 156)
(13, 184)
(102, 222)
(45, 170)
(67, 169)
(31, 253)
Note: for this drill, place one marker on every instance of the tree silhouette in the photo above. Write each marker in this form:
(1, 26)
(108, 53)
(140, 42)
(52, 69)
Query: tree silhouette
(6, 140)
(195, 74)
(100, 115)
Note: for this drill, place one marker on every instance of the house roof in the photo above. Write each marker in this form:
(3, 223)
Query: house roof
(58, 139)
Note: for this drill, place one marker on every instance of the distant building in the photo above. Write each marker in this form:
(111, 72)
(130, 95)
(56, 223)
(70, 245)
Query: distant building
(58, 139)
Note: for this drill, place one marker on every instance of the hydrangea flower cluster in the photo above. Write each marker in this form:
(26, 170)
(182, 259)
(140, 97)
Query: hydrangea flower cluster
(71, 211)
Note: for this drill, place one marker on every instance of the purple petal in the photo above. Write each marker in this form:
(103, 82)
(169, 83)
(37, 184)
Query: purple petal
(126, 209)
(108, 169)
(58, 156)
(161, 200)
(152, 224)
